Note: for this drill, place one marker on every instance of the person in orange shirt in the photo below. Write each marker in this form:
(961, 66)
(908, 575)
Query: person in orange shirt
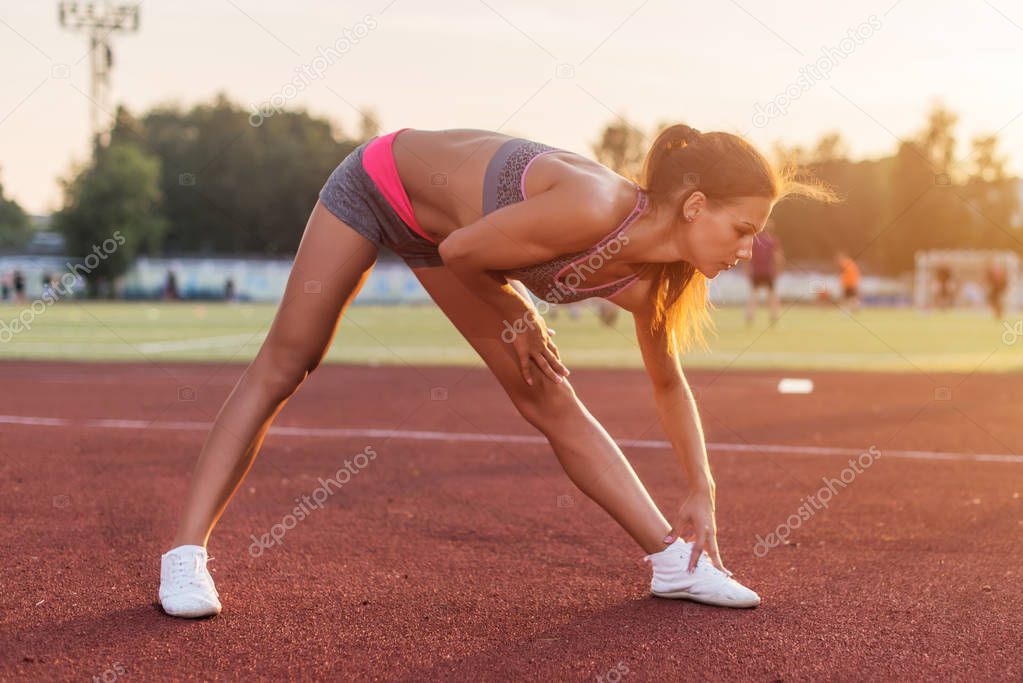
(849, 276)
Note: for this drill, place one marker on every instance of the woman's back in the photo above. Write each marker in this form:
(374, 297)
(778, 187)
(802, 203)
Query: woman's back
(443, 171)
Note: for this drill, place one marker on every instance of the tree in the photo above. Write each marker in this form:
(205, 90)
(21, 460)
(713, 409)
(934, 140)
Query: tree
(986, 164)
(109, 212)
(15, 228)
(937, 141)
(991, 197)
(830, 148)
(621, 148)
(228, 185)
(927, 206)
(790, 156)
(369, 124)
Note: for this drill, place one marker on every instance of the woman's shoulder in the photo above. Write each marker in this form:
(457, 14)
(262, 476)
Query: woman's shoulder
(605, 197)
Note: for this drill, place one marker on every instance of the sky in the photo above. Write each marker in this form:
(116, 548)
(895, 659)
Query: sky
(554, 71)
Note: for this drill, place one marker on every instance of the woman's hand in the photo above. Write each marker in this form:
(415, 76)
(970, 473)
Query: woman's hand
(534, 344)
(697, 517)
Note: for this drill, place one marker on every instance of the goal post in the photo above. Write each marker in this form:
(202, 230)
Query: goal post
(959, 278)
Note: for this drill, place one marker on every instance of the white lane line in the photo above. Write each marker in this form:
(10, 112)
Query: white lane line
(142, 379)
(41, 348)
(413, 435)
(201, 343)
(34, 421)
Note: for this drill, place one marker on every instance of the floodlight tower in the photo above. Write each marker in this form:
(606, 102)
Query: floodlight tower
(98, 20)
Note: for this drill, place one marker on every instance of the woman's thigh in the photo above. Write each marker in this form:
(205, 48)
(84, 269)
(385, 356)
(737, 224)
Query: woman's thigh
(482, 327)
(330, 267)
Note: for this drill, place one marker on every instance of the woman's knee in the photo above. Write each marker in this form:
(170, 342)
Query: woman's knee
(545, 402)
(284, 363)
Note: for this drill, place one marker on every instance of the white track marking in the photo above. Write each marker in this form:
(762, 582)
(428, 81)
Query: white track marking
(37, 348)
(360, 352)
(471, 437)
(34, 421)
(201, 343)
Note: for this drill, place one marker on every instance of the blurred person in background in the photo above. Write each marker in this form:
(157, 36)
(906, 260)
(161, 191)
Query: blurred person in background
(768, 260)
(170, 287)
(18, 280)
(997, 282)
(944, 286)
(849, 279)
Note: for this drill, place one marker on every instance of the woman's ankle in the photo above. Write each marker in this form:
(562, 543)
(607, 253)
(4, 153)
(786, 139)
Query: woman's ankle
(188, 539)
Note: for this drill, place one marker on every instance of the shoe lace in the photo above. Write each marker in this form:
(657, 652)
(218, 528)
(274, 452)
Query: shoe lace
(190, 570)
(705, 564)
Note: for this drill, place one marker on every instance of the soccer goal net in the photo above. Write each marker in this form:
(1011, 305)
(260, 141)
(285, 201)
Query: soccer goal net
(964, 278)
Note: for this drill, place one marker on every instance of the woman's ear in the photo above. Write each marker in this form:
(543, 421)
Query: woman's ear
(692, 207)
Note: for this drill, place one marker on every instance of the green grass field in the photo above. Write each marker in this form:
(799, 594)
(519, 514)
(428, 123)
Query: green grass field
(806, 338)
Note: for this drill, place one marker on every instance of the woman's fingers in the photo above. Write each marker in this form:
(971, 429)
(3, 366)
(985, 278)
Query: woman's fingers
(524, 366)
(715, 554)
(555, 361)
(558, 366)
(679, 531)
(545, 363)
(550, 352)
(698, 545)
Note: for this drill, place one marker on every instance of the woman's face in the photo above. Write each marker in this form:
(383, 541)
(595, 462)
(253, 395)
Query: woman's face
(721, 234)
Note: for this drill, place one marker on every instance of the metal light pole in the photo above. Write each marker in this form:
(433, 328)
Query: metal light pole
(98, 21)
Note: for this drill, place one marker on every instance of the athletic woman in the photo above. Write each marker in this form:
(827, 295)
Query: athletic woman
(478, 216)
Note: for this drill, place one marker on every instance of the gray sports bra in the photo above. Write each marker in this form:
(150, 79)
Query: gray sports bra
(562, 279)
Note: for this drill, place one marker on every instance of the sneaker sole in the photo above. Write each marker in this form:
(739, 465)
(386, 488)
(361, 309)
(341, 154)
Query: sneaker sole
(209, 611)
(707, 600)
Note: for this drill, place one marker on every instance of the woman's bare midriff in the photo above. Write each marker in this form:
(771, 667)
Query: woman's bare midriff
(442, 172)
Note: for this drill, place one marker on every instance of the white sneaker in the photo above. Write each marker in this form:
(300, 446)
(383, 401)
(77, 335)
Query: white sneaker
(707, 583)
(186, 587)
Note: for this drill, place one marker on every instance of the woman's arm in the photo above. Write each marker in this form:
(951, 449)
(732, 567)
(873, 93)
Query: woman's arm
(563, 220)
(523, 326)
(490, 286)
(676, 405)
(519, 235)
(676, 408)
(680, 420)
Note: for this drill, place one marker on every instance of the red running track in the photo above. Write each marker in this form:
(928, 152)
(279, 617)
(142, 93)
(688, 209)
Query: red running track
(477, 558)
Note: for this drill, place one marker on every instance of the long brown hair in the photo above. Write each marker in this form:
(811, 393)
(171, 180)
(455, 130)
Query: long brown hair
(724, 167)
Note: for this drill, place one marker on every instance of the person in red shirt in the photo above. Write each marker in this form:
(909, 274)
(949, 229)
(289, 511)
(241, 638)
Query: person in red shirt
(763, 271)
